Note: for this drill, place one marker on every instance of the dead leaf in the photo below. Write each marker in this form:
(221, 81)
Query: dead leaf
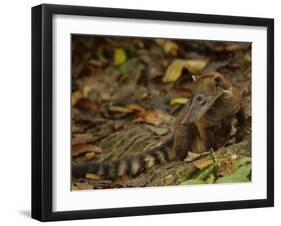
(136, 107)
(234, 156)
(75, 112)
(229, 47)
(154, 117)
(234, 47)
(95, 62)
(81, 138)
(174, 70)
(118, 125)
(192, 156)
(224, 171)
(195, 66)
(87, 105)
(78, 149)
(225, 166)
(75, 97)
(89, 156)
(149, 117)
(119, 109)
(74, 188)
(87, 89)
(168, 46)
(158, 130)
(82, 186)
(202, 163)
(93, 176)
(179, 100)
(105, 96)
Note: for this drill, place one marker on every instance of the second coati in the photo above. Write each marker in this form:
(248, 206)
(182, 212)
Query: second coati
(203, 123)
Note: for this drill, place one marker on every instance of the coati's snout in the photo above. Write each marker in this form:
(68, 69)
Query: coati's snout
(199, 105)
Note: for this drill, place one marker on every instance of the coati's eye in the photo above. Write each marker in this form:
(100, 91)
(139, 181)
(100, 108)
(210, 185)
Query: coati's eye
(200, 99)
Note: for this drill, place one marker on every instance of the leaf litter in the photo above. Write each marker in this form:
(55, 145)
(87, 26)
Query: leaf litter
(126, 93)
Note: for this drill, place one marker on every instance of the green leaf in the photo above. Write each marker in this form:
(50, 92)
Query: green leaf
(241, 175)
(211, 179)
(201, 176)
(241, 162)
(231, 179)
(206, 172)
(129, 65)
(243, 171)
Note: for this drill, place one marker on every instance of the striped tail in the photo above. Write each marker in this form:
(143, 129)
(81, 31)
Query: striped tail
(131, 166)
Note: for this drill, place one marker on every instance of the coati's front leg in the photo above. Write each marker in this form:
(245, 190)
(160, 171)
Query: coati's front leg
(183, 137)
(205, 137)
(190, 138)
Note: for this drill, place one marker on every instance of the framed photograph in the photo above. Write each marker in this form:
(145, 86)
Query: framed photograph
(146, 112)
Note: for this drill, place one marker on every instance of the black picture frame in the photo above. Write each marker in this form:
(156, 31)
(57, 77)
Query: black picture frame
(42, 111)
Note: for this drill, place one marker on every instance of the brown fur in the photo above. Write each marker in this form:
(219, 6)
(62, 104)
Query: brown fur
(205, 119)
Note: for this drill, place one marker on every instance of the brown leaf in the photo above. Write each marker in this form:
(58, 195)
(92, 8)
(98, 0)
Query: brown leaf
(80, 138)
(149, 117)
(75, 97)
(82, 186)
(230, 47)
(119, 109)
(202, 163)
(192, 156)
(89, 156)
(168, 46)
(87, 105)
(225, 166)
(136, 107)
(234, 47)
(224, 171)
(174, 71)
(95, 62)
(75, 112)
(195, 66)
(87, 89)
(105, 96)
(154, 117)
(93, 176)
(179, 100)
(78, 149)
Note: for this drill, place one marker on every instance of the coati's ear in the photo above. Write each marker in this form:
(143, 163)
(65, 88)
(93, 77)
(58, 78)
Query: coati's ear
(217, 79)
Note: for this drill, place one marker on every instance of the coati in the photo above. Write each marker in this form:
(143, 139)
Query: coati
(203, 122)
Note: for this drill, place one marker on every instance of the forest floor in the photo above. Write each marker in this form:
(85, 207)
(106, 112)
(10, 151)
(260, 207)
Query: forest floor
(126, 93)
